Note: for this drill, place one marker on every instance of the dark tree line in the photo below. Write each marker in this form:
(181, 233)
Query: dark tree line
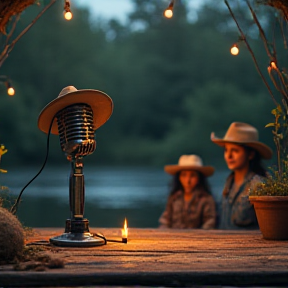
(173, 82)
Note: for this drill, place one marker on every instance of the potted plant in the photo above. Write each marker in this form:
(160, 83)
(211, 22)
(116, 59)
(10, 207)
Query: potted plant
(270, 198)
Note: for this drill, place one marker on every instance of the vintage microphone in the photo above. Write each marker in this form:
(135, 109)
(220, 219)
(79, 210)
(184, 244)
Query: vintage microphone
(76, 124)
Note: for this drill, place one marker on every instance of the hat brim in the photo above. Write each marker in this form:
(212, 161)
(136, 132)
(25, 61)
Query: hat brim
(173, 169)
(101, 104)
(264, 150)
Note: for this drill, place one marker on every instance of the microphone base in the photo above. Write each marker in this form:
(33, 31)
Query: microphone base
(77, 235)
(77, 240)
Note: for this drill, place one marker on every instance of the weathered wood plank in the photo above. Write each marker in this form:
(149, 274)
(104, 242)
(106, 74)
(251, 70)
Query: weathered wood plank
(154, 257)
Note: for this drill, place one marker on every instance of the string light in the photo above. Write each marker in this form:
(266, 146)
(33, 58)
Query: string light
(234, 50)
(168, 13)
(273, 65)
(67, 12)
(10, 90)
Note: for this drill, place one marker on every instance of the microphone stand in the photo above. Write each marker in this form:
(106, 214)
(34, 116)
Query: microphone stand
(77, 228)
(75, 125)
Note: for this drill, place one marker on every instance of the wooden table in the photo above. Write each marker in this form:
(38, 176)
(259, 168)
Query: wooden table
(154, 257)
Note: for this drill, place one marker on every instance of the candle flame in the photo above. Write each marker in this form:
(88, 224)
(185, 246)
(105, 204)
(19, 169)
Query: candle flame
(125, 230)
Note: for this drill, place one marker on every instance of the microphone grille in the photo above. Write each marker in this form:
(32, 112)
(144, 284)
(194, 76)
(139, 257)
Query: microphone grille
(76, 131)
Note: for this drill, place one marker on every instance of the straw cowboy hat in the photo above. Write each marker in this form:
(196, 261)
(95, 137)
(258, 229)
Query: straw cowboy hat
(243, 134)
(189, 162)
(101, 104)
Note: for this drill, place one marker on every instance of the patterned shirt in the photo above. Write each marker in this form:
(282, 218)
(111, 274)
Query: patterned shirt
(199, 212)
(237, 212)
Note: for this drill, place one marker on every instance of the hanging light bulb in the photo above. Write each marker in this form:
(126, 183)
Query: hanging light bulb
(273, 65)
(67, 12)
(6, 81)
(168, 13)
(68, 15)
(234, 50)
(10, 89)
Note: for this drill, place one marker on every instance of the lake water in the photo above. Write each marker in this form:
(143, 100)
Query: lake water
(111, 195)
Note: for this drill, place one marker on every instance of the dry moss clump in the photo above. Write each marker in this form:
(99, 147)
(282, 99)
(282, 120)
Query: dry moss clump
(11, 236)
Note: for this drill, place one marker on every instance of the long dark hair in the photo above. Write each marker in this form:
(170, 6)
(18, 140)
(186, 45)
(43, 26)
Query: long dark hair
(255, 164)
(176, 185)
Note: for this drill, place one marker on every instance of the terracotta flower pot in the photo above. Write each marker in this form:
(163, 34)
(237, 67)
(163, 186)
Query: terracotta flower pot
(272, 216)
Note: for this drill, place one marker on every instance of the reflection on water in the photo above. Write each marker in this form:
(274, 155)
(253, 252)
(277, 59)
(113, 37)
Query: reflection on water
(112, 193)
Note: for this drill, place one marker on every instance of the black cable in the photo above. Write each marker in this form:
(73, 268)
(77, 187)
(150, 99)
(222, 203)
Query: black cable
(124, 240)
(15, 206)
(100, 236)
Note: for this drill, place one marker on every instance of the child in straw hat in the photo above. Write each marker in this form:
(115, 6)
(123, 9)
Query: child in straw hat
(190, 204)
(243, 154)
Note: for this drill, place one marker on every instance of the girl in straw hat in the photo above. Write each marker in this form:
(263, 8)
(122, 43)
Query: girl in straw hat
(242, 153)
(190, 204)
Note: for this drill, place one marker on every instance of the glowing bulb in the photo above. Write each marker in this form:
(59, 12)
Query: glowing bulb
(68, 15)
(273, 65)
(11, 91)
(168, 13)
(234, 50)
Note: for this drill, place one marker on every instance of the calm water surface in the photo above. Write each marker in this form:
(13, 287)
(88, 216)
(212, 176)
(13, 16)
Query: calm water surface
(112, 193)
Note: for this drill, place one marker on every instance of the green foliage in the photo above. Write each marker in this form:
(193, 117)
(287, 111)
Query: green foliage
(280, 136)
(275, 184)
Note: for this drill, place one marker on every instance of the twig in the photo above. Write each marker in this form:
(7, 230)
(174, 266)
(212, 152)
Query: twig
(12, 29)
(251, 52)
(279, 87)
(283, 34)
(266, 45)
(261, 31)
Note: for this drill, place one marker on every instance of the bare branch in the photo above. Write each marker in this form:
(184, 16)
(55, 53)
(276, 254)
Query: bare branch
(280, 87)
(251, 52)
(283, 34)
(12, 29)
(261, 31)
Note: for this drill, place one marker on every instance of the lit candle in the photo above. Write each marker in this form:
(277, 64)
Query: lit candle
(125, 232)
